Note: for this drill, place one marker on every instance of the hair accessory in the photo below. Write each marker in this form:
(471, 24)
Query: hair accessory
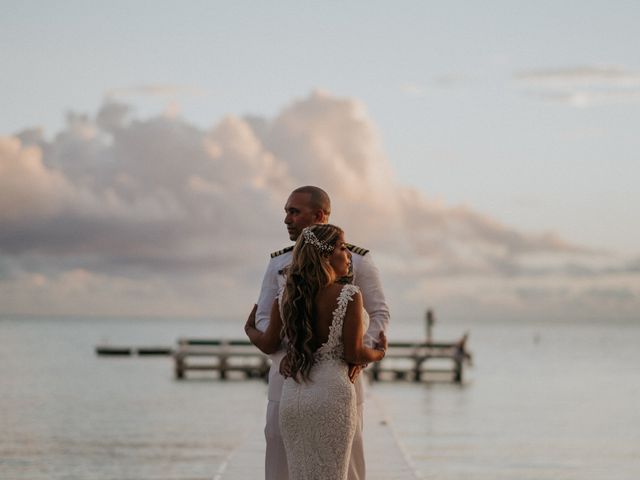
(311, 238)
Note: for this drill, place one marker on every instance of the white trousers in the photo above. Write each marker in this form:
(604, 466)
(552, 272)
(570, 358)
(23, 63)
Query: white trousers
(275, 465)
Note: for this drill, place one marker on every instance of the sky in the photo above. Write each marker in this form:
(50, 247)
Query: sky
(487, 153)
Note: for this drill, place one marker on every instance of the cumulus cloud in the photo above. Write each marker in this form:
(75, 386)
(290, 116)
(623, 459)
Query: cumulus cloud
(584, 86)
(28, 189)
(158, 216)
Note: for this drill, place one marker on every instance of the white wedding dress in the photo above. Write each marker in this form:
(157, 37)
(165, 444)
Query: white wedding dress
(318, 418)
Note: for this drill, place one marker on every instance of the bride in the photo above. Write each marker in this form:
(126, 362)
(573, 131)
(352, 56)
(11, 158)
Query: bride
(320, 322)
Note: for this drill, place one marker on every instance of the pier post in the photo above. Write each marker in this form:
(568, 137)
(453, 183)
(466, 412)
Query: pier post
(222, 358)
(417, 369)
(375, 371)
(179, 366)
(460, 355)
(417, 374)
(457, 372)
(430, 320)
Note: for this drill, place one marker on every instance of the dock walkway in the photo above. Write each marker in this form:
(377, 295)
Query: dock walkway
(385, 456)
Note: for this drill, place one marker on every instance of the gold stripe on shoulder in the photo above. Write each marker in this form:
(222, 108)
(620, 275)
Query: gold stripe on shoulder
(280, 252)
(356, 249)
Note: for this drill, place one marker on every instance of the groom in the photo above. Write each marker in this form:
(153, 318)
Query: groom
(307, 206)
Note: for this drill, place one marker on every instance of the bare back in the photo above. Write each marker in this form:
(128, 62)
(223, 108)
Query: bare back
(326, 303)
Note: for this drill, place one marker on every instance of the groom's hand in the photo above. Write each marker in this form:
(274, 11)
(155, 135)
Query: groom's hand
(285, 368)
(382, 343)
(354, 371)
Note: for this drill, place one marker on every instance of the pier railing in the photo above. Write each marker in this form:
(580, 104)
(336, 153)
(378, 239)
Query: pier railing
(223, 356)
(404, 360)
(415, 361)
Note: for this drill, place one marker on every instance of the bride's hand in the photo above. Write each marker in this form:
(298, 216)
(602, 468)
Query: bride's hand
(354, 371)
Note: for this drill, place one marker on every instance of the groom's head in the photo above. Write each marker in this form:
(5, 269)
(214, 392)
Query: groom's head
(306, 206)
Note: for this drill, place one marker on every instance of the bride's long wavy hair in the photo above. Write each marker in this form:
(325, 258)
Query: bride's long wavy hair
(309, 272)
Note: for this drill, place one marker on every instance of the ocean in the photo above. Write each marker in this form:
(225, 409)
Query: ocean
(544, 401)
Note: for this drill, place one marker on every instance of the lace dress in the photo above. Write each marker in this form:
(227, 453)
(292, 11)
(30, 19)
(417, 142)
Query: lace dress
(318, 418)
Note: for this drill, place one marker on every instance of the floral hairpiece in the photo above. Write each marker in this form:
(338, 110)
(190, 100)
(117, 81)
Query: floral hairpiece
(311, 238)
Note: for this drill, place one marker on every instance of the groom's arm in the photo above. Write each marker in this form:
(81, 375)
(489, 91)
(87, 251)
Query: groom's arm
(367, 277)
(268, 293)
(267, 341)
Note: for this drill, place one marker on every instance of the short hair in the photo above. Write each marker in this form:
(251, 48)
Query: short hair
(319, 198)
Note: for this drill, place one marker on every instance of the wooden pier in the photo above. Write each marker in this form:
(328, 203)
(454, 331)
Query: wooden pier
(416, 361)
(223, 356)
(385, 456)
(403, 361)
(111, 350)
(408, 361)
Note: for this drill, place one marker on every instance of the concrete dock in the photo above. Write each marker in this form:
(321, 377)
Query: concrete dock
(385, 457)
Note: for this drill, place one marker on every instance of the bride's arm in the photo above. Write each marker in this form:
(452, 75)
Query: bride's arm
(352, 332)
(269, 340)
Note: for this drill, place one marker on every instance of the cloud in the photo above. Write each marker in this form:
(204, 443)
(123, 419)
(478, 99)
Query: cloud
(584, 99)
(158, 216)
(586, 76)
(29, 191)
(164, 91)
(582, 87)
(452, 80)
(413, 89)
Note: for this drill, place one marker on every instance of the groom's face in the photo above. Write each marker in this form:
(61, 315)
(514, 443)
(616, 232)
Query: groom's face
(300, 213)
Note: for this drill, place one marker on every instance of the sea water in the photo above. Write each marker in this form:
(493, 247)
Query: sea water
(544, 401)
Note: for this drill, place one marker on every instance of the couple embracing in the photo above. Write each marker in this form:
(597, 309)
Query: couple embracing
(321, 315)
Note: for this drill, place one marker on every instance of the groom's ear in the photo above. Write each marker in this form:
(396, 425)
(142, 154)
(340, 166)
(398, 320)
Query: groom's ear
(320, 217)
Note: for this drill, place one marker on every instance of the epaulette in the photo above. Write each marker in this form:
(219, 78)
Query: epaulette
(280, 252)
(358, 250)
